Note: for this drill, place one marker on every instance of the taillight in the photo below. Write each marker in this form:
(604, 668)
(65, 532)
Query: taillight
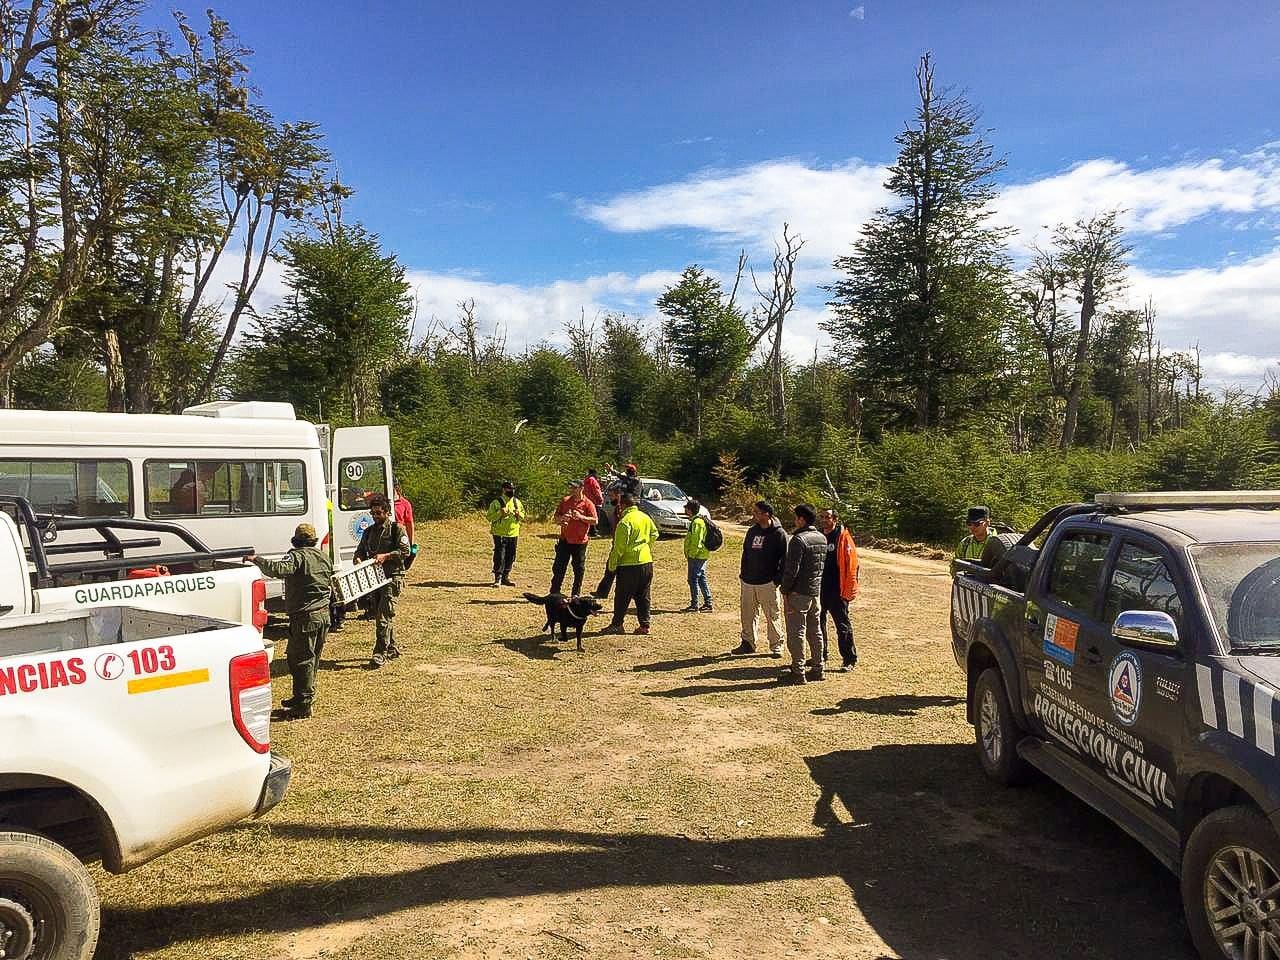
(259, 604)
(250, 678)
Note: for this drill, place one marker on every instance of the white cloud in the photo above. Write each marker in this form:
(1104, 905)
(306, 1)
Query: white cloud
(826, 205)
(530, 314)
(1232, 312)
(1154, 200)
(858, 13)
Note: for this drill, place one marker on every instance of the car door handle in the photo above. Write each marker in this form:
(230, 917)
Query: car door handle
(1093, 655)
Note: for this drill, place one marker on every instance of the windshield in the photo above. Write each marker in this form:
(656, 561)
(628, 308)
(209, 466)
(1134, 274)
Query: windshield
(661, 490)
(1242, 582)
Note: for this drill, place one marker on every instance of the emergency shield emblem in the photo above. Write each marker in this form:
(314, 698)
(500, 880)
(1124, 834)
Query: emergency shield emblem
(1124, 680)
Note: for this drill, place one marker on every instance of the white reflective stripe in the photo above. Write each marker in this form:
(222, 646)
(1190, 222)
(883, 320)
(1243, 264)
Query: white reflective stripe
(1231, 703)
(1204, 685)
(1263, 733)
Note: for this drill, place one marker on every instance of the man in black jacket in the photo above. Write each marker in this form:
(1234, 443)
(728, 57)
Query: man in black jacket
(763, 551)
(801, 587)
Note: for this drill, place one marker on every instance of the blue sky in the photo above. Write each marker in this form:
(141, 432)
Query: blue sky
(546, 158)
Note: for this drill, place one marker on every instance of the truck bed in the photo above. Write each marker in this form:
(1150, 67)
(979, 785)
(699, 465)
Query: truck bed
(96, 627)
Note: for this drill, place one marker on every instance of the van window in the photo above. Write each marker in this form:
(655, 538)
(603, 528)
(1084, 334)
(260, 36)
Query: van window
(359, 478)
(220, 488)
(1076, 573)
(82, 488)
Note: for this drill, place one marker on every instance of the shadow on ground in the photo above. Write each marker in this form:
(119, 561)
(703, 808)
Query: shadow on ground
(940, 863)
(892, 705)
(454, 583)
(540, 647)
(665, 666)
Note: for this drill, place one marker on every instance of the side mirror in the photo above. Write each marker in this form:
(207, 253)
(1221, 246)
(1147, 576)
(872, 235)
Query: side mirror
(1146, 628)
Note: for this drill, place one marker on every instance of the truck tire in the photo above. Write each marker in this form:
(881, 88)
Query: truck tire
(995, 731)
(47, 892)
(1233, 856)
(997, 546)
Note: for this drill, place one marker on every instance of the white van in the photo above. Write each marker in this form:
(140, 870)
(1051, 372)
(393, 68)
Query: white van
(236, 474)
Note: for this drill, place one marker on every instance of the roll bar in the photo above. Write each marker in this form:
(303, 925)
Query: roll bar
(42, 530)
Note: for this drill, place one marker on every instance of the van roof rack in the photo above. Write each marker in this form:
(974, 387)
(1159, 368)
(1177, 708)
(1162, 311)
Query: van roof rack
(1188, 499)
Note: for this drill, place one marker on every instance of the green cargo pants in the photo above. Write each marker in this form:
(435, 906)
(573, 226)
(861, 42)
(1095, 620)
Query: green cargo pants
(384, 613)
(307, 633)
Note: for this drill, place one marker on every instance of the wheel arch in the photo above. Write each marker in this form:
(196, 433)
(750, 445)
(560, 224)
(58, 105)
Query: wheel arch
(988, 648)
(1208, 791)
(53, 808)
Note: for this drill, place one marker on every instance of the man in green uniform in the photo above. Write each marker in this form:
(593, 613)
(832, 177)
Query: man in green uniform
(388, 543)
(632, 559)
(307, 575)
(978, 520)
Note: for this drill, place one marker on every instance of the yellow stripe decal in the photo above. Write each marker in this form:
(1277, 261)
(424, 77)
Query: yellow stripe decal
(148, 684)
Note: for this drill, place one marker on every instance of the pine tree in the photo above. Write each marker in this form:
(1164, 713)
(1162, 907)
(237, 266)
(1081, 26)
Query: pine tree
(708, 336)
(919, 311)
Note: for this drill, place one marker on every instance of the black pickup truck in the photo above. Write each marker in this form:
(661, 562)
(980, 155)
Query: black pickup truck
(1130, 650)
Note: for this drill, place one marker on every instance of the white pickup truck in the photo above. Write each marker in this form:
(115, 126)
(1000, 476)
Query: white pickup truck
(70, 563)
(123, 733)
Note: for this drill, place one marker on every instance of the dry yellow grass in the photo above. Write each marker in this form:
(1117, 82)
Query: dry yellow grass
(493, 794)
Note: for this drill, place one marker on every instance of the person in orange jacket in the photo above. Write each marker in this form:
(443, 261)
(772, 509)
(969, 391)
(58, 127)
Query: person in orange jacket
(839, 586)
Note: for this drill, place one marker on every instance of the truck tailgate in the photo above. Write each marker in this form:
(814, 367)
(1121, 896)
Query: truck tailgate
(144, 728)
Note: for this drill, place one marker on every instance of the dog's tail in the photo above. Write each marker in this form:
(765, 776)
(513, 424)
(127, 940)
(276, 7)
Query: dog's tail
(534, 598)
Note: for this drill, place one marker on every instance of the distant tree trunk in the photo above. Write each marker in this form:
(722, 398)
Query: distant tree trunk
(115, 372)
(1080, 374)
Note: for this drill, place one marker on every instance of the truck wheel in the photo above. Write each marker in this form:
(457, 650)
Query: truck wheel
(1231, 885)
(49, 909)
(996, 733)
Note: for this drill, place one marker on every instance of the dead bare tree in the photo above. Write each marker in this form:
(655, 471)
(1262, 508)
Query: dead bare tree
(467, 334)
(1093, 255)
(585, 350)
(737, 279)
(776, 301)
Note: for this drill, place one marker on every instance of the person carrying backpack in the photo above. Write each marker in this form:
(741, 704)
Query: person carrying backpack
(697, 551)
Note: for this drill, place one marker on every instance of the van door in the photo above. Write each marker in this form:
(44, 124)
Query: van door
(15, 581)
(361, 467)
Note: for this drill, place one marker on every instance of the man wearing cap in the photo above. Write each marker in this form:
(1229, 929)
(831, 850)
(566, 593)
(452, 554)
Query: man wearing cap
(307, 575)
(978, 520)
(576, 516)
(505, 514)
(384, 540)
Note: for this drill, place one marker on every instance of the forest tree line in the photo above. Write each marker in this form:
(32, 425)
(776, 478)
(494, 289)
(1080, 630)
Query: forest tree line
(143, 169)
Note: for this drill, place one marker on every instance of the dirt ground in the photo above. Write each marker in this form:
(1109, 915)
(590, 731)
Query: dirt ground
(493, 794)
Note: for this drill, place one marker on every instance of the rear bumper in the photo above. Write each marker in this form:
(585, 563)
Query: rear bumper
(276, 784)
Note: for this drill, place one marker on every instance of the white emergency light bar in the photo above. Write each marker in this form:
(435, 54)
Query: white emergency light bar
(1189, 498)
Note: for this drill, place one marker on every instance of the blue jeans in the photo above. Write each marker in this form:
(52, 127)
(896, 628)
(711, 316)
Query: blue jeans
(698, 581)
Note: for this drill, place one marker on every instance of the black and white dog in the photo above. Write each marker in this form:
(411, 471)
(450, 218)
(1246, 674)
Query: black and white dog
(566, 612)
